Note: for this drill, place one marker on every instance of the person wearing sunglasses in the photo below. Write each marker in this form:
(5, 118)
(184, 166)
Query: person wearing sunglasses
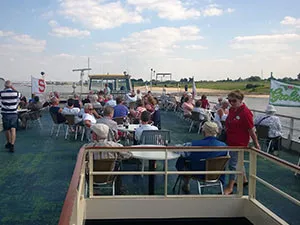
(88, 116)
(239, 127)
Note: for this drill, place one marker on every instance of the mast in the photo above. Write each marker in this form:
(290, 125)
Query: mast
(81, 76)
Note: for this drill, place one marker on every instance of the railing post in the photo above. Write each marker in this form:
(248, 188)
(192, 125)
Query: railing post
(166, 176)
(252, 174)
(291, 132)
(240, 168)
(91, 176)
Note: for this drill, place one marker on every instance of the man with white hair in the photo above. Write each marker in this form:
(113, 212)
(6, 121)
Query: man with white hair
(9, 100)
(275, 130)
(197, 159)
(100, 134)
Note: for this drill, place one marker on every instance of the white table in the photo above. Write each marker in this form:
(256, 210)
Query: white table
(131, 128)
(152, 156)
(22, 110)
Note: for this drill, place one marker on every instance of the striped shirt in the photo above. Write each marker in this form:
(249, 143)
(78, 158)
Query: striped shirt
(9, 100)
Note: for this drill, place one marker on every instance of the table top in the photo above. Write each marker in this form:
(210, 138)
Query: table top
(131, 128)
(153, 155)
(22, 110)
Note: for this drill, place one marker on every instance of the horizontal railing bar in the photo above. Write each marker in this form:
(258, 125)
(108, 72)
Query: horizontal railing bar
(282, 193)
(161, 172)
(165, 148)
(161, 196)
(277, 160)
(296, 129)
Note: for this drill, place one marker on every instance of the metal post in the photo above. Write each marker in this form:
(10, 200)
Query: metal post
(151, 79)
(81, 79)
(291, 132)
(252, 174)
(240, 168)
(91, 176)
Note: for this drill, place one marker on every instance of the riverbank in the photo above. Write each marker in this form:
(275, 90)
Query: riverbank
(200, 91)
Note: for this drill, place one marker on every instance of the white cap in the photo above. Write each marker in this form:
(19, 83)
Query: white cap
(270, 108)
(101, 130)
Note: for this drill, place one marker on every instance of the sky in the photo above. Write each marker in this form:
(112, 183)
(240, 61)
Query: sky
(207, 39)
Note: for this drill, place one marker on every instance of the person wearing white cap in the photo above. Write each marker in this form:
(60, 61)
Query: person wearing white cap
(275, 130)
(197, 159)
(100, 133)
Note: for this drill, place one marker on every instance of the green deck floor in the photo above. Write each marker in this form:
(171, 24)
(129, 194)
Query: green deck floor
(34, 180)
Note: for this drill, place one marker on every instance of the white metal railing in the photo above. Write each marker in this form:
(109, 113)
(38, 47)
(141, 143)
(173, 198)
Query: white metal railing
(253, 178)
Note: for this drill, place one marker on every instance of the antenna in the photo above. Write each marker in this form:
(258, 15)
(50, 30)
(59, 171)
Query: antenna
(81, 76)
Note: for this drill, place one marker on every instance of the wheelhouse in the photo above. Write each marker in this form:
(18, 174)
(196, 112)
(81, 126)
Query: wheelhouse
(118, 83)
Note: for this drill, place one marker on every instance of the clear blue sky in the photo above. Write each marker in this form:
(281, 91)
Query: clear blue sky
(202, 38)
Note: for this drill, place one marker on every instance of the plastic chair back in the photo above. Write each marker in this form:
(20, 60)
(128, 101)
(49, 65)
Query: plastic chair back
(155, 137)
(104, 165)
(215, 164)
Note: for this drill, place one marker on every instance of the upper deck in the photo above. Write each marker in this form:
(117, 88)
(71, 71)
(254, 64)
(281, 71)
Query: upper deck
(35, 179)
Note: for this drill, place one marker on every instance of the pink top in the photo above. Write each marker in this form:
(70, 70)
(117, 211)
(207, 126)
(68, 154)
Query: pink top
(187, 108)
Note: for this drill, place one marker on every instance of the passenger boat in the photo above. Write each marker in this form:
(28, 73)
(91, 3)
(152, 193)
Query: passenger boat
(36, 178)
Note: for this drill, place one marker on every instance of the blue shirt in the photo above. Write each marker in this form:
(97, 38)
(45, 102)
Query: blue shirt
(197, 159)
(120, 111)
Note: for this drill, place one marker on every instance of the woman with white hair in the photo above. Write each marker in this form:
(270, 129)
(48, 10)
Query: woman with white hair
(275, 130)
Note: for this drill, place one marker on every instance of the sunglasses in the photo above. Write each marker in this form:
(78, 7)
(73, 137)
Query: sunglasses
(232, 100)
(90, 109)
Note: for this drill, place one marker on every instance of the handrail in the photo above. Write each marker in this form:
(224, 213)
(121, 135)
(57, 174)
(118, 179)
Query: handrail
(277, 160)
(76, 179)
(67, 208)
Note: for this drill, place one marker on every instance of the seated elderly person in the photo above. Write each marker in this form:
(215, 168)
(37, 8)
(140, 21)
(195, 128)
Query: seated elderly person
(203, 115)
(145, 120)
(33, 106)
(120, 109)
(88, 116)
(69, 109)
(77, 101)
(130, 97)
(275, 130)
(197, 159)
(56, 110)
(100, 134)
(187, 106)
(110, 101)
(108, 114)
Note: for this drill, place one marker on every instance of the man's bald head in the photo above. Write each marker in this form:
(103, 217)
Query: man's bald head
(8, 84)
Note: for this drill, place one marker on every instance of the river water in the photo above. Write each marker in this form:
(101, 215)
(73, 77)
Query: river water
(258, 103)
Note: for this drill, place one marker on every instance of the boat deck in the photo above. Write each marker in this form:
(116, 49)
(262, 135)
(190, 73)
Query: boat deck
(34, 180)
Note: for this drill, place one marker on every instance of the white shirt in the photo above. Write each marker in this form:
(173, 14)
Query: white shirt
(141, 128)
(272, 122)
(89, 117)
(130, 99)
(72, 111)
(139, 96)
(111, 103)
(107, 90)
(218, 120)
(203, 112)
